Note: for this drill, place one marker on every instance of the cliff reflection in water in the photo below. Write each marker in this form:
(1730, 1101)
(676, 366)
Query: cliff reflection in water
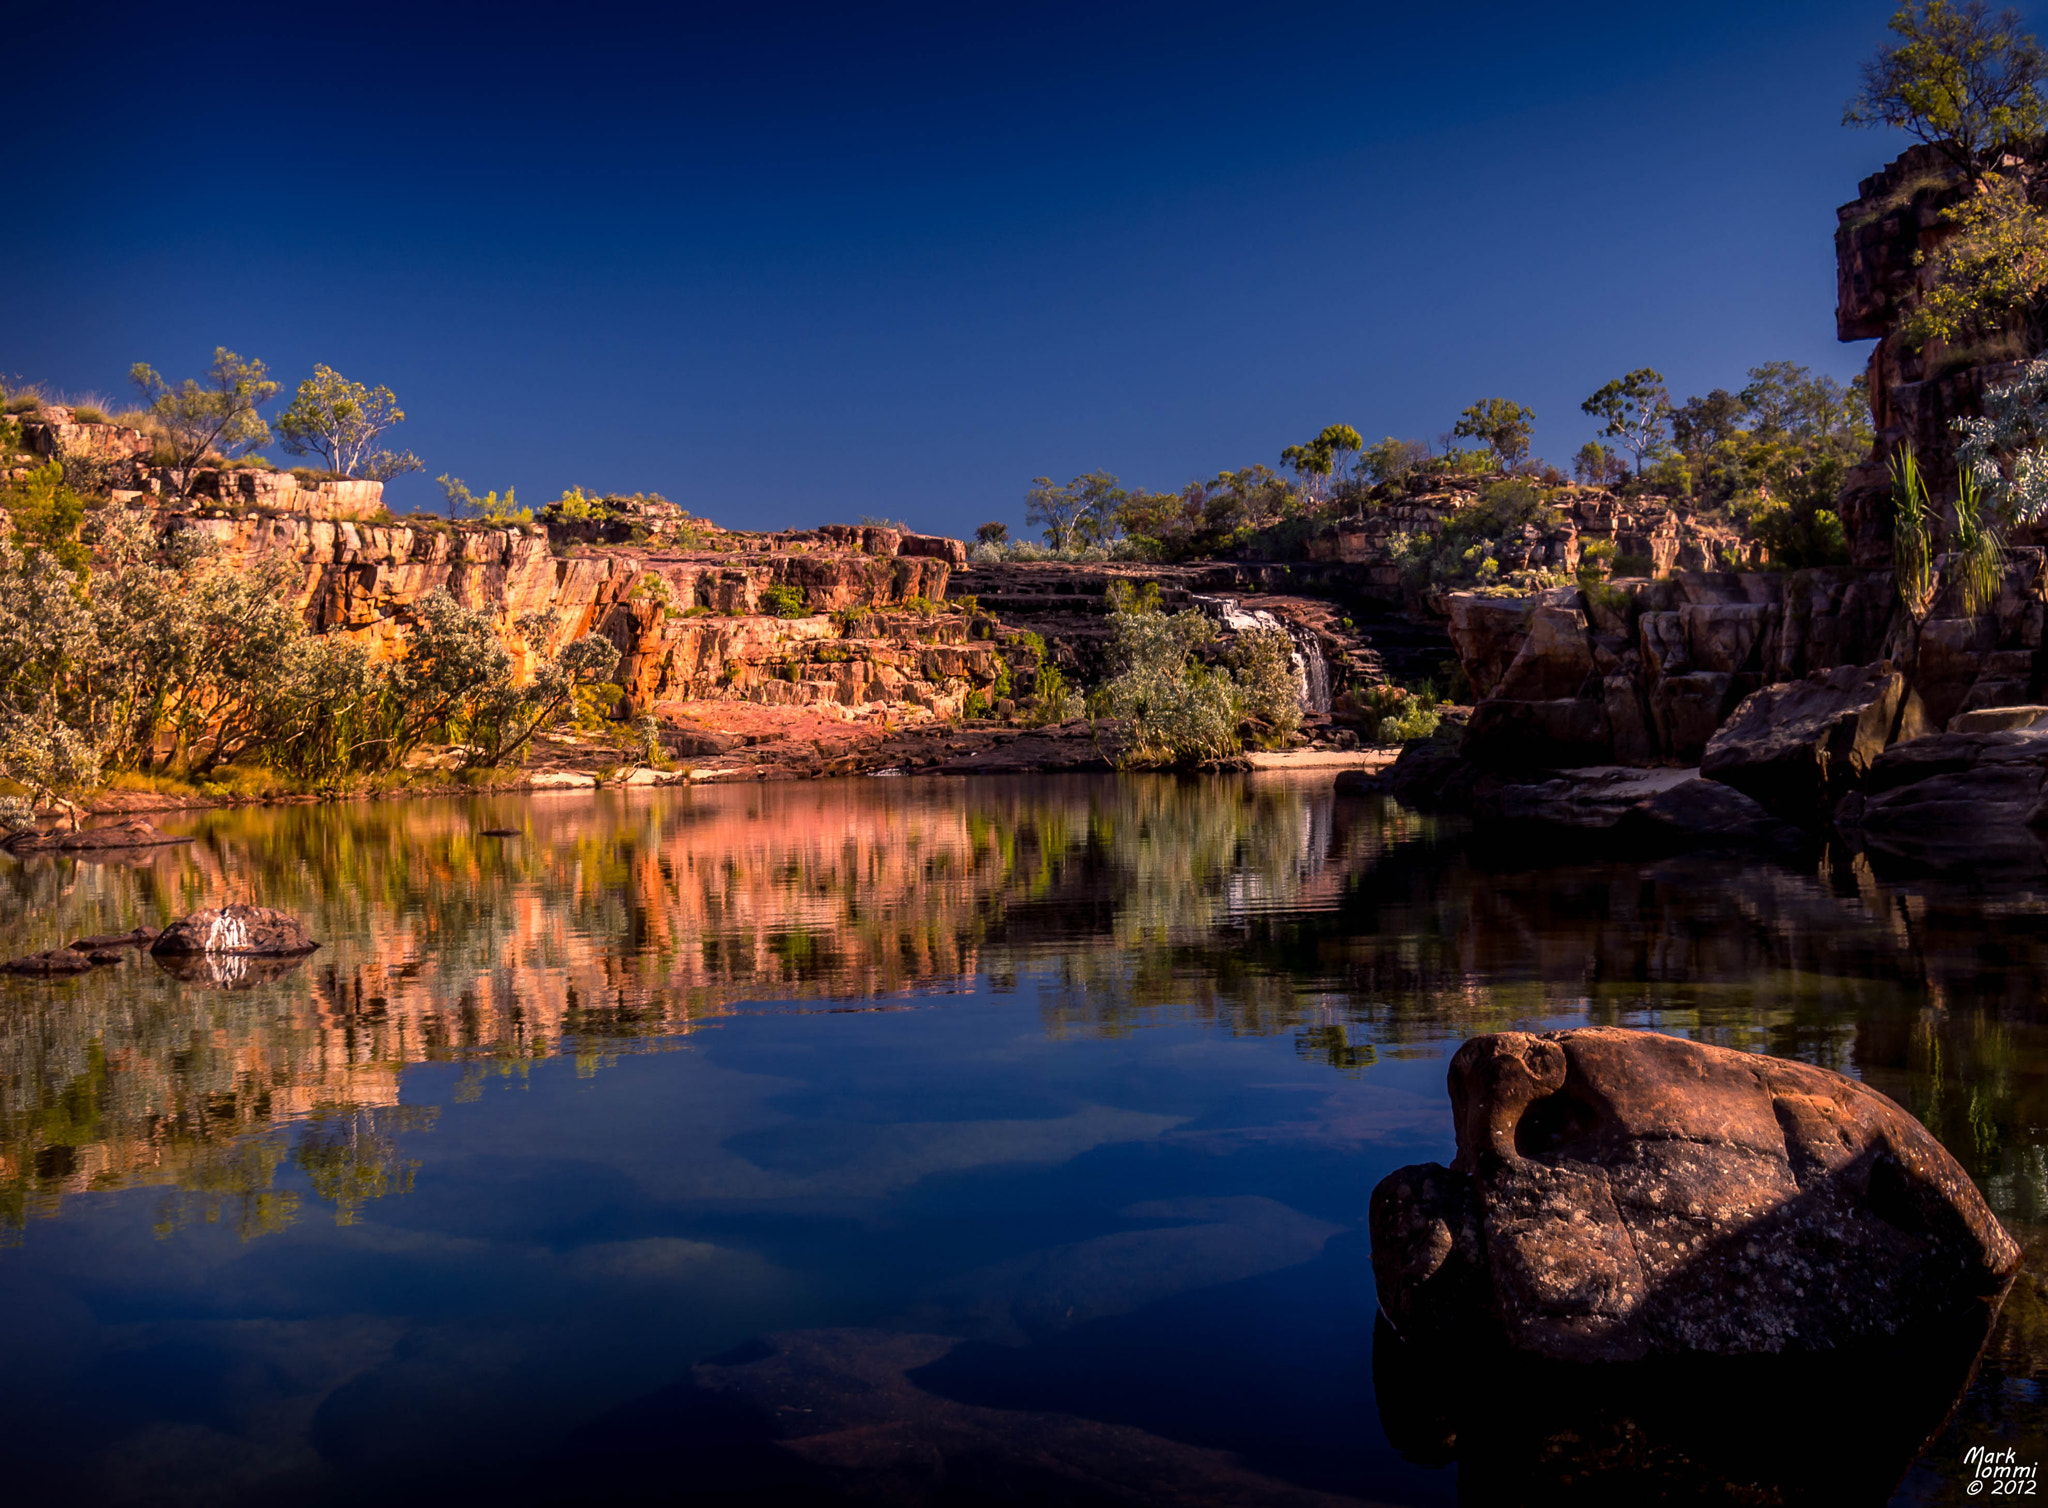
(613, 923)
(622, 923)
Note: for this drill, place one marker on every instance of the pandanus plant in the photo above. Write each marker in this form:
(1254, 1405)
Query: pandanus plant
(1976, 552)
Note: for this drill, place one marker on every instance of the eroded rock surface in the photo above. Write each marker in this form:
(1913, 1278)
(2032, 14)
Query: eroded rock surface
(1619, 1195)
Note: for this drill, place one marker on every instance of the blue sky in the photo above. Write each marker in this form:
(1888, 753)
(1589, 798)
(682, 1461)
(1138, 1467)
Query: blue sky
(791, 264)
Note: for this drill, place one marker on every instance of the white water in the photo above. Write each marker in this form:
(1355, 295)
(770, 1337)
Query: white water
(1312, 670)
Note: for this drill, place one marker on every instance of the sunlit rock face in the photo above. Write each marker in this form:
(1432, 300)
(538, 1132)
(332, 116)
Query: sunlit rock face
(1619, 1195)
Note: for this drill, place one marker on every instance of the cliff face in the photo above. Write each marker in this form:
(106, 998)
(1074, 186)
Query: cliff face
(1643, 672)
(867, 637)
(1916, 392)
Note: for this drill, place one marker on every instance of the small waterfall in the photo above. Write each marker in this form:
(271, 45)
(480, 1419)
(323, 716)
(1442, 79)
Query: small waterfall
(1309, 664)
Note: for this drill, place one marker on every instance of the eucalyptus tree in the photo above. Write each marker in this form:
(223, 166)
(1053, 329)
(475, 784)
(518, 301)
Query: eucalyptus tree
(341, 421)
(215, 415)
(1635, 409)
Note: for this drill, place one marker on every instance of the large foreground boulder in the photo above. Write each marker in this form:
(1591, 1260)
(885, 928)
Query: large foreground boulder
(248, 931)
(1798, 746)
(1621, 1195)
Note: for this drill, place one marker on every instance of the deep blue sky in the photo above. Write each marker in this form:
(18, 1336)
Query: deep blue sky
(787, 264)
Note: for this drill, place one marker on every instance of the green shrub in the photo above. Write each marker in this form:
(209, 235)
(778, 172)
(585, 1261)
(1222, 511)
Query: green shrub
(976, 705)
(782, 601)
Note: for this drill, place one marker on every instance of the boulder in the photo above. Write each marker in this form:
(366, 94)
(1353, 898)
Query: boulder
(1798, 746)
(1999, 720)
(1955, 801)
(1621, 1195)
(244, 931)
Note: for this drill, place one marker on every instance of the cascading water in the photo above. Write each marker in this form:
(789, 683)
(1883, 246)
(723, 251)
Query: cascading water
(1309, 664)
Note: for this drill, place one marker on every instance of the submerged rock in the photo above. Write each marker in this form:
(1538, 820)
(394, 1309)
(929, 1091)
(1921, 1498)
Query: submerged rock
(1619, 1195)
(254, 931)
(135, 832)
(139, 937)
(54, 963)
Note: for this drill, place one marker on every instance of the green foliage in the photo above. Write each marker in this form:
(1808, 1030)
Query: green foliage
(1468, 550)
(1392, 460)
(1414, 716)
(340, 421)
(782, 601)
(1328, 456)
(1082, 512)
(1740, 447)
(1597, 466)
(1178, 709)
(1634, 409)
(1506, 428)
(1052, 700)
(1912, 546)
(991, 533)
(1798, 523)
(217, 415)
(1268, 685)
(1994, 264)
(46, 514)
(2006, 451)
(975, 705)
(1977, 547)
(490, 508)
(1959, 78)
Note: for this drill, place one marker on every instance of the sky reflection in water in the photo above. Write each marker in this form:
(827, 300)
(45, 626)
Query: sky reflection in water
(1089, 1078)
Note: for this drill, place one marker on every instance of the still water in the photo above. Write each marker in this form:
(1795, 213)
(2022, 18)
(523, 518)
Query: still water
(884, 1140)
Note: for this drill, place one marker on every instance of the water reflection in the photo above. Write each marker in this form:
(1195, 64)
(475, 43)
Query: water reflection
(1355, 939)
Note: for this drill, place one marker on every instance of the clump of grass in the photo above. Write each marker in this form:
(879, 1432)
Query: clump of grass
(89, 413)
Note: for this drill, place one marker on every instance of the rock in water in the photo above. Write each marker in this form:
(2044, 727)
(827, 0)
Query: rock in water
(1620, 1195)
(53, 964)
(256, 931)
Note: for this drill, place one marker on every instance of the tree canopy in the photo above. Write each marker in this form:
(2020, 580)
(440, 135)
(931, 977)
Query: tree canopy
(1959, 78)
(1635, 409)
(340, 421)
(1504, 427)
(216, 415)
